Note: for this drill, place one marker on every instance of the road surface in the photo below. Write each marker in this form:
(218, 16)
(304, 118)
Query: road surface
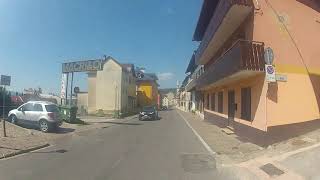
(165, 149)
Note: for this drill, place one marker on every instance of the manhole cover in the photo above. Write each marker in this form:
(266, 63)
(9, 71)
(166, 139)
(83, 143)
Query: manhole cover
(298, 142)
(197, 163)
(271, 170)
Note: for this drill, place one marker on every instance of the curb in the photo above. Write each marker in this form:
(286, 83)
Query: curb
(4, 156)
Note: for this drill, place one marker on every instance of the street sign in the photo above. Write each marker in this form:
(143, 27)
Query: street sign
(268, 56)
(270, 73)
(5, 80)
(281, 77)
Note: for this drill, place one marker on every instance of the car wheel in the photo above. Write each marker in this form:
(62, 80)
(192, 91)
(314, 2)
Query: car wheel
(13, 119)
(44, 126)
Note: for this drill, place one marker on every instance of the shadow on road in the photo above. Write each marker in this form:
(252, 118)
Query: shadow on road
(122, 123)
(61, 130)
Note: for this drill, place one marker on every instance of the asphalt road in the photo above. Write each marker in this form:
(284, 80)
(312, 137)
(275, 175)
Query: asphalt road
(165, 149)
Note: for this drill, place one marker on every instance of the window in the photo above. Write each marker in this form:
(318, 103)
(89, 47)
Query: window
(220, 102)
(28, 107)
(37, 107)
(246, 103)
(52, 108)
(213, 101)
(208, 101)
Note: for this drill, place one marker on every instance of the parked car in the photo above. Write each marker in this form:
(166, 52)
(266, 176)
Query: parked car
(149, 112)
(164, 108)
(41, 114)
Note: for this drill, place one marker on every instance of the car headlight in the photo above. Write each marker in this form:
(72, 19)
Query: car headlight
(142, 113)
(151, 112)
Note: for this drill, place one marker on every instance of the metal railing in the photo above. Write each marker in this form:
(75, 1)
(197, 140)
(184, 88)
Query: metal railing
(242, 55)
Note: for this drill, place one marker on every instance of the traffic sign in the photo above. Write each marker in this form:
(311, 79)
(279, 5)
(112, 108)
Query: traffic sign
(5, 80)
(268, 56)
(270, 73)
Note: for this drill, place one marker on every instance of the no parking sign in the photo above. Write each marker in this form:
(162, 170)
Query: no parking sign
(270, 73)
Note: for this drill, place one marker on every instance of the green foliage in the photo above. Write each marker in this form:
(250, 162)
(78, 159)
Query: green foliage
(100, 113)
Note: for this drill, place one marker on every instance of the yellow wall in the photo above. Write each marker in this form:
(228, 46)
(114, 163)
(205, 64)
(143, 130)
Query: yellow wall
(147, 94)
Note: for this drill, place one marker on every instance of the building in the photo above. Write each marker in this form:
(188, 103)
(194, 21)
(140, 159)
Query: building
(147, 90)
(165, 101)
(233, 36)
(113, 89)
(197, 97)
(184, 96)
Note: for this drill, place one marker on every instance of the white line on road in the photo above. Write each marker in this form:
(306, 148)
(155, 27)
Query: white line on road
(208, 148)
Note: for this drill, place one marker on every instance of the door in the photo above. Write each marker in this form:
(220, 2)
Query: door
(231, 107)
(24, 113)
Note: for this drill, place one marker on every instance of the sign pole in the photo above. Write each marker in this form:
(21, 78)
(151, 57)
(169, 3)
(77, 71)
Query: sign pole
(70, 103)
(66, 98)
(3, 112)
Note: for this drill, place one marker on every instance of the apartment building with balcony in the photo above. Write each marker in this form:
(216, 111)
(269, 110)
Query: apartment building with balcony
(194, 72)
(233, 36)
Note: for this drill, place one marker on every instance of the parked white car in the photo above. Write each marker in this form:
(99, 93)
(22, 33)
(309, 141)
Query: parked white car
(44, 115)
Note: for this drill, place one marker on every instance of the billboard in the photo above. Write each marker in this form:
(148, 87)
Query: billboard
(83, 66)
(5, 80)
(63, 86)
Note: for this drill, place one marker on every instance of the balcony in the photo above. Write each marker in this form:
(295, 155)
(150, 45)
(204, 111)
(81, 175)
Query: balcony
(228, 16)
(242, 60)
(191, 85)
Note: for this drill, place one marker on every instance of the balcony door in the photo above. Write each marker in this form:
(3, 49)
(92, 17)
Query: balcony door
(231, 107)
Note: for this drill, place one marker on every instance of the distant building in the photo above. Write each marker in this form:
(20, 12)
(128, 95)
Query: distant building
(111, 90)
(147, 90)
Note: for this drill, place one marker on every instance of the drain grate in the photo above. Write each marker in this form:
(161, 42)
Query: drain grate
(271, 170)
(61, 151)
(197, 163)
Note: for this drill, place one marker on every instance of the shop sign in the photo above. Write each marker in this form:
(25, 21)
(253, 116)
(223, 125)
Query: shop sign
(83, 66)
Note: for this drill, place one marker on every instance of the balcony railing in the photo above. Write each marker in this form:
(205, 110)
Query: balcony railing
(242, 56)
(220, 13)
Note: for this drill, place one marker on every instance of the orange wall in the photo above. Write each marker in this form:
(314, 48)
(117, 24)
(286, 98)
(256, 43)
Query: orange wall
(258, 96)
(295, 100)
(147, 93)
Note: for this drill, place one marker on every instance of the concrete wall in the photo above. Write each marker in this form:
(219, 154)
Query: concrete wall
(92, 92)
(108, 87)
(82, 102)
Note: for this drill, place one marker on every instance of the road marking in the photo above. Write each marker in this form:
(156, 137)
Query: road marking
(208, 148)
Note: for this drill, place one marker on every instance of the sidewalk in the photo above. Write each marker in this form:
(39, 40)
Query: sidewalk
(21, 140)
(296, 158)
(229, 148)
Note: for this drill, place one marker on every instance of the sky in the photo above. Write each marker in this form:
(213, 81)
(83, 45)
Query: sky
(36, 36)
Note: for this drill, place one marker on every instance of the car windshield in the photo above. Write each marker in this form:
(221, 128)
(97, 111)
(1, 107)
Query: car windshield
(148, 108)
(52, 108)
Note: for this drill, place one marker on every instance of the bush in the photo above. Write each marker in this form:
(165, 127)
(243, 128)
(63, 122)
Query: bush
(100, 113)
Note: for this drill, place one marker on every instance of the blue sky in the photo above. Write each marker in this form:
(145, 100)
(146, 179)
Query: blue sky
(36, 36)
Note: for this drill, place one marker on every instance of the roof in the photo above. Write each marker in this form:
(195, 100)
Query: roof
(192, 65)
(207, 11)
(148, 77)
(125, 67)
(41, 102)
